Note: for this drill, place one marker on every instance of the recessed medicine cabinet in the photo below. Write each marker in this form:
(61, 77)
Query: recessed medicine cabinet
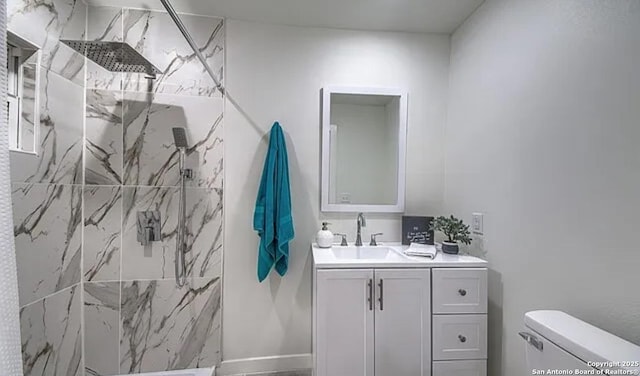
(363, 149)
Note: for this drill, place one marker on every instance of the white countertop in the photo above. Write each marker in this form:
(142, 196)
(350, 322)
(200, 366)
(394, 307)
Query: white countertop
(323, 258)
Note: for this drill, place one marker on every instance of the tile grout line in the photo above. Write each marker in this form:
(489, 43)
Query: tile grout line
(121, 191)
(83, 326)
(50, 70)
(50, 295)
(148, 279)
(224, 192)
(125, 91)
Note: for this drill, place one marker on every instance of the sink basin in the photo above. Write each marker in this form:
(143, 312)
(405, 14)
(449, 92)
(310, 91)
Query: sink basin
(366, 253)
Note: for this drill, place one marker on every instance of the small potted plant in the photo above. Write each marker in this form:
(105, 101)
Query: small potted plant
(455, 230)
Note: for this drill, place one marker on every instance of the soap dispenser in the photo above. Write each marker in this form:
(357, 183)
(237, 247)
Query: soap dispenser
(324, 237)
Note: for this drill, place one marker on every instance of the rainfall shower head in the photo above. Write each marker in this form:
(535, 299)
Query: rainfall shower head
(180, 137)
(114, 56)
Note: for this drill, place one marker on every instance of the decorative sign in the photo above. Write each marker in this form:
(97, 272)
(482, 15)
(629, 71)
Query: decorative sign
(416, 230)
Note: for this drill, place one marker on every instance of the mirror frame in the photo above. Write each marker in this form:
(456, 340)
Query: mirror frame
(325, 205)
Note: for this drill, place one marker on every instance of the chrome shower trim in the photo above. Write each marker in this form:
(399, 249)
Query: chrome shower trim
(180, 264)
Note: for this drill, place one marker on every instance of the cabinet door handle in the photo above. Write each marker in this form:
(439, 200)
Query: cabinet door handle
(370, 294)
(381, 298)
(462, 292)
(462, 338)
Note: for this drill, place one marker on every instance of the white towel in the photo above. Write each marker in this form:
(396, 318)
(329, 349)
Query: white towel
(422, 250)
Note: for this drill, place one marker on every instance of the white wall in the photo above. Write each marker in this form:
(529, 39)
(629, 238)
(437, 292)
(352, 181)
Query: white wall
(276, 73)
(542, 135)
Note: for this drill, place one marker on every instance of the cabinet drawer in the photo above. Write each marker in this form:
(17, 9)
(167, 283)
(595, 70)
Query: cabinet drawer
(459, 337)
(460, 368)
(460, 291)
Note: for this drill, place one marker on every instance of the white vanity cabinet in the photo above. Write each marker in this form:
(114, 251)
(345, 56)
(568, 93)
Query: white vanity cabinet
(373, 322)
(399, 317)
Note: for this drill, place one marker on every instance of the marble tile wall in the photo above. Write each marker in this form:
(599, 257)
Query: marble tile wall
(156, 37)
(105, 151)
(47, 193)
(163, 327)
(102, 322)
(51, 334)
(45, 23)
(103, 137)
(204, 232)
(102, 233)
(136, 318)
(150, 157)
(48, 234)
(59, 159)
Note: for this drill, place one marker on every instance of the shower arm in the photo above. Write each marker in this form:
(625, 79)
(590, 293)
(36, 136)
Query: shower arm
(176, 19)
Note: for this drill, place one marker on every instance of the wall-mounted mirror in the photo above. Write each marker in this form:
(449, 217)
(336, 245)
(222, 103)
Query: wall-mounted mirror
(363, 149)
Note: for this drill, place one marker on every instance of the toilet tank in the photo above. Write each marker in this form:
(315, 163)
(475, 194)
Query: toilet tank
(558, 341)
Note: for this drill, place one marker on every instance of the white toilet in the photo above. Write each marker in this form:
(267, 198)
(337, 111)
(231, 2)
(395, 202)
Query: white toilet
(557, 341)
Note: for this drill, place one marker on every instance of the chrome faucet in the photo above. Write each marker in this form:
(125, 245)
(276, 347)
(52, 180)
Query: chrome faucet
(361, 223)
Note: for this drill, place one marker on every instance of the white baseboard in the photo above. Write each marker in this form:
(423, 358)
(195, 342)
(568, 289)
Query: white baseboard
(265, 364)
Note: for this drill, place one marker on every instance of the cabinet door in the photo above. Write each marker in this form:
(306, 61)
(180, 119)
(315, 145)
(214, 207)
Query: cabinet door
(403, 322)
(344, 326)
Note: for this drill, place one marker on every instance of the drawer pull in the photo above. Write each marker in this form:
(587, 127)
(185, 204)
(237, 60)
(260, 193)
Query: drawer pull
(462, 338)
(462, 292)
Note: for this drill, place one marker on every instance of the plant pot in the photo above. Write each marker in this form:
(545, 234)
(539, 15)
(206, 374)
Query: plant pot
(450, 248)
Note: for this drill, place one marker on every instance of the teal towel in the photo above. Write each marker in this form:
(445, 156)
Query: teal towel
(272, 217)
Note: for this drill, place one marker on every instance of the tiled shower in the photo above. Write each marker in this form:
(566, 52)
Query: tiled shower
(94, 301)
